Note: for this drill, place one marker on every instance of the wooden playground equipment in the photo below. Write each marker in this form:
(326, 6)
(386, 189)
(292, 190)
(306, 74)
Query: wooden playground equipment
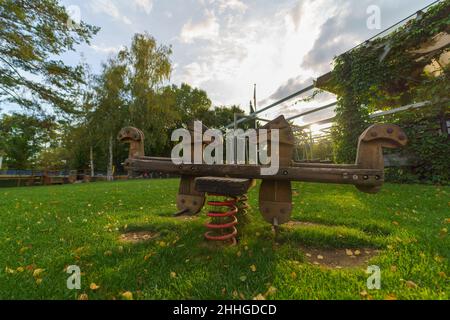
(275, 194)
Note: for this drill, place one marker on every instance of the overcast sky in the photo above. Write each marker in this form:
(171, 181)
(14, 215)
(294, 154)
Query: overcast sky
(225, 46)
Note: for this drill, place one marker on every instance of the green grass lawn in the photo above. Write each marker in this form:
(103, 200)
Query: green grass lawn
(45, 229)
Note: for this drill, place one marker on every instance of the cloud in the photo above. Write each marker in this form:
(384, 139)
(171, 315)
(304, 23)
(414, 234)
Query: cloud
(340, 32)
(146, 5)
(296, 14)
(109, 8)
(290, 86)
(234, 5)
(347, 27)
(248, 49)
(106, 50)
(207, 29)
(343, 28)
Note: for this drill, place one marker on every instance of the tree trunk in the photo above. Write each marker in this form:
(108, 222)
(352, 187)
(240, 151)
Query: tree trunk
(1, 162)
(110, 162)
(91, 160)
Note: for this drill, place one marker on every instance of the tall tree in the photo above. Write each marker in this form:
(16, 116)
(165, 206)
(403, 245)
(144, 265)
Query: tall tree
(191, 103)
(32, 34)
(111, 107)
(23, 137)
(148, 66)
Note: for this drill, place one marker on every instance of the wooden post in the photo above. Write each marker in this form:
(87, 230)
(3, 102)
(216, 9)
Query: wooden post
(275, 197)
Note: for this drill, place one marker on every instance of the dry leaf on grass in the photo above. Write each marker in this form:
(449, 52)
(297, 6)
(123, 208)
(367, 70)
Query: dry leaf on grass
(37, 272)
(390, 296)
(93, 286)
(411, 284)
(127, 295)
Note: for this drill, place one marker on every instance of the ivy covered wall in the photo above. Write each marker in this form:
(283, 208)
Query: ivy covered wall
(389, 72)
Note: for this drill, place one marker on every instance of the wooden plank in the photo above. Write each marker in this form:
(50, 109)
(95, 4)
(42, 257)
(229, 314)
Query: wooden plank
(316, 173)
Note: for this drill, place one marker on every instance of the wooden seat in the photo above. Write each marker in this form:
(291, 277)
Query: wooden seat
(223, 186)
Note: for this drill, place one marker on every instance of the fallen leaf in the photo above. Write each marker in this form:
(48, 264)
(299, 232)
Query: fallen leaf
(173, 275)
(243, 278)
(395, 223)
(442, 274)
(108, 253)
(83, 296)
(93, 286)
(271, 291)
(348, 252)
(9, 270)
(38, 272)
(235, 294)
(390, 296)
(357, 252)
(447, 221)
(259, 297)
(20, 269)
(38, 281)
(148, 256)
(293, 275)
(363, 293)
(411, 285)
(23, 249)
(127, 295)
(320, 257)
(253, 268)
(394, 268)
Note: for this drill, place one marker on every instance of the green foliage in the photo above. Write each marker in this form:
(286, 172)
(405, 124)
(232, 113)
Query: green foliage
(23, 137)
(384, 74)
(32, 33)
(429, 147)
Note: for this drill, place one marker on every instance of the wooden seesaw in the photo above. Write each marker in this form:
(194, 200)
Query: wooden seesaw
(275, 194)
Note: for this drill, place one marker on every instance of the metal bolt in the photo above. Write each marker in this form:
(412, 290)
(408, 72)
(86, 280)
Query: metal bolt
(355, 177)
(390, 130)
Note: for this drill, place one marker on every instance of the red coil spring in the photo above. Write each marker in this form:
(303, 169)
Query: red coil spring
(223, 224)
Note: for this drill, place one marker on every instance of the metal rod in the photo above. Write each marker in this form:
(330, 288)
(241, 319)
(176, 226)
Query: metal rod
(312, 111)
(277, 103)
